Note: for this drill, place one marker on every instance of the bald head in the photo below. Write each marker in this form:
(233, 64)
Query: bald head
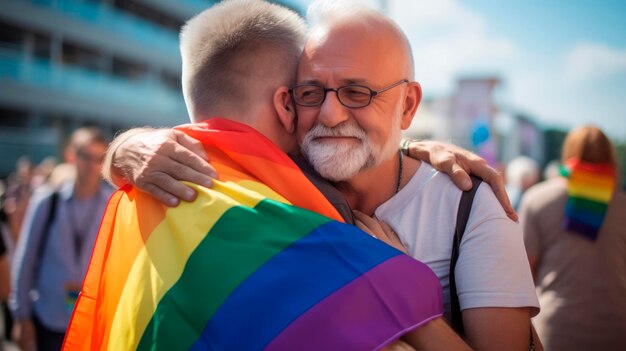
(359, 22)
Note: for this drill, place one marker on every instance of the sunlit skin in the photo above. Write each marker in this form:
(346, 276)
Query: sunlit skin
(357, 53)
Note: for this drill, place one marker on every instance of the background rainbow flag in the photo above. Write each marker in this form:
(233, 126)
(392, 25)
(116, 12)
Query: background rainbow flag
(589, 190)
(249, 265)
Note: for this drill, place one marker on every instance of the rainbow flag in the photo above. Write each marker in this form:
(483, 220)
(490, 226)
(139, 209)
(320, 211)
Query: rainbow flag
(589, 190)
(259, 261)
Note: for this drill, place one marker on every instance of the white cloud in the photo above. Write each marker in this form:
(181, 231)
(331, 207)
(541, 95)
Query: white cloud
(591, 62)
(583, 96)
(581, 86)
(448, 39)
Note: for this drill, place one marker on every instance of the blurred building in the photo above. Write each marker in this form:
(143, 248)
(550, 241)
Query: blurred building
(70, 63)
(473, 118)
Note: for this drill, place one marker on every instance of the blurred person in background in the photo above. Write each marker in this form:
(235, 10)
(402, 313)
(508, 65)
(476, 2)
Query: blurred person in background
(62, 173)
(17, 194)
(12, 207)
(4, 289)
(54, 248)
(41, 172)
(6, 251)
(521, 173)
(575, 236)
(8, 242)
(552, 170)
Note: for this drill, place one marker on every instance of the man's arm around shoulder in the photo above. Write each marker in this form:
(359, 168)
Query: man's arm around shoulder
(496, 328)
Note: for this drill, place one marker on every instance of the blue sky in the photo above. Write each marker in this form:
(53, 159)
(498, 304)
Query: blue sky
(562, 62)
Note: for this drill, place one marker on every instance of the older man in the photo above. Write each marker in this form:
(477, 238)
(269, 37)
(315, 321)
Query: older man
(353, 98)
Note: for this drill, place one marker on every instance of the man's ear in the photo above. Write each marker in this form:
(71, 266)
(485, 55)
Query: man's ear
(69, 154)
(411, 102)
(285, 109)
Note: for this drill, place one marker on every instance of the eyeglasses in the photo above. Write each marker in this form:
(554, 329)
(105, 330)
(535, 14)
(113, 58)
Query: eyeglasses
(85, 156)
(351, 95)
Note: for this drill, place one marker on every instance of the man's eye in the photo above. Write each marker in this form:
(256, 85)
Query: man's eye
(310, 93)
(356, 92)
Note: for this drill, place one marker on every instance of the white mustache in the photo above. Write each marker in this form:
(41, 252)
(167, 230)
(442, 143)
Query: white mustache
(343, 130)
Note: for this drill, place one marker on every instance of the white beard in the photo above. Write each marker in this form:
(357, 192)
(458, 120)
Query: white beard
(342, 161)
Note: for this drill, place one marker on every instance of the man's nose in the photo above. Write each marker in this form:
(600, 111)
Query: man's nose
(332, 112)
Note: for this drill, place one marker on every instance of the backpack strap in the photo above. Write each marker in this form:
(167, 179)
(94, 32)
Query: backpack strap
(46, 231)
(465, 207)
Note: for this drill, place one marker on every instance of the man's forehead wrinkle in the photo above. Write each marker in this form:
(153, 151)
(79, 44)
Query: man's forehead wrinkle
(320, 71)
(376, 34)
(339, 52)
(341, 81)
(351, 53)
(331, 57)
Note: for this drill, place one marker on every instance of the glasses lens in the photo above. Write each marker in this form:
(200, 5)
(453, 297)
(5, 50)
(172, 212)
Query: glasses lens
(85, 156)
(354, 95)
(309, 95)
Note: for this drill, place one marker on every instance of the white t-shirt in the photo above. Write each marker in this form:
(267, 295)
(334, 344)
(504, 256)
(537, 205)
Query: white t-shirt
(492, 269)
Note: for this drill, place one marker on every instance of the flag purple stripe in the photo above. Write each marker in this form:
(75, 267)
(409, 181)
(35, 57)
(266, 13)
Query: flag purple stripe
(341, 315)
(581, 228)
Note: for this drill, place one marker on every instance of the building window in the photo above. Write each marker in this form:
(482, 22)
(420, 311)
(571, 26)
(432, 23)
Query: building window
(13, 118)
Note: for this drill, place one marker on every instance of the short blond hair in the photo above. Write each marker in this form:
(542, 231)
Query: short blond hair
(234, 52)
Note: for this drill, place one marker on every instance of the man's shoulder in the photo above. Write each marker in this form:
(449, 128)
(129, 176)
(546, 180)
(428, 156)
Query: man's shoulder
(429, 181)
(43, 193)
(429, 184)
(551, 187)
(428, 176)
(548, 193)
(106, 189)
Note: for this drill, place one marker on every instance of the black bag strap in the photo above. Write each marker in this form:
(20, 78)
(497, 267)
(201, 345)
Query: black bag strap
(46, 231)
(465, 206)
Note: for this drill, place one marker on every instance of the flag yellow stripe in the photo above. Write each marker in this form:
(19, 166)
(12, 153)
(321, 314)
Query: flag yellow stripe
(161, 262)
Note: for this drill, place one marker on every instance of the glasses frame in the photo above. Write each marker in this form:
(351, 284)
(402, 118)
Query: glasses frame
(87, 157)
(373, 93)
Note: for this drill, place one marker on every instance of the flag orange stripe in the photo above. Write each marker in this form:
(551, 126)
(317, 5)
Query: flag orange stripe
(306, 196)
(81, 332)
(218, 128)
(122, 253)
(235, 166)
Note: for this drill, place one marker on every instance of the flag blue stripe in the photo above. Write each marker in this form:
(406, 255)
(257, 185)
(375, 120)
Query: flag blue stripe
(289, 284)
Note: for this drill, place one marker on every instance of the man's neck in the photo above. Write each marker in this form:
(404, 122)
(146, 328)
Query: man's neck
(85, 190)
(371, 188)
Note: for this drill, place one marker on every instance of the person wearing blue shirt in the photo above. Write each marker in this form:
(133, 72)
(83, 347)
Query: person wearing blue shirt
(55, 245)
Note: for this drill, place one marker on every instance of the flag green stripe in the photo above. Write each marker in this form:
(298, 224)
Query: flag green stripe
(245, 237)
(588, 205)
